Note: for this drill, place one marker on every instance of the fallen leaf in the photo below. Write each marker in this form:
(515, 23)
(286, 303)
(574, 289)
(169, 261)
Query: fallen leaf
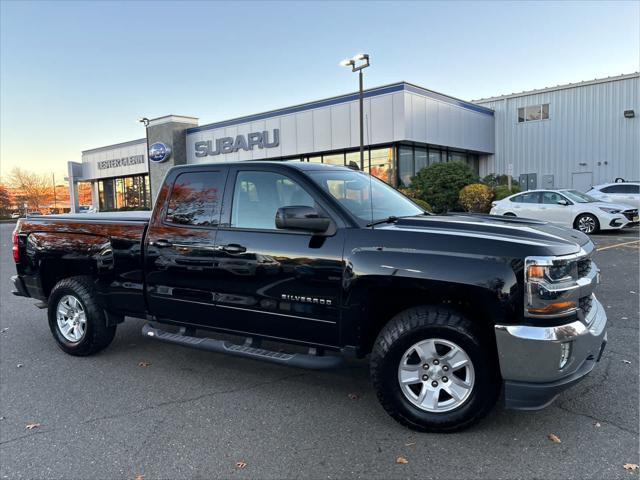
(241, 465)
(554, 438)
(19, 365)
(626, 361)
(597, 424)
(625, 318)
(409, 444)
(31, 426)
(144, 364)
(4, 330)
(139, 477)
(631, 291)
(354, 396)
(630, 466)
(401, 460)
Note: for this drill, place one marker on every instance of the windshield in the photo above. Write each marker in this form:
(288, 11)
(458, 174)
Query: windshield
(579, 197)
(351, 189)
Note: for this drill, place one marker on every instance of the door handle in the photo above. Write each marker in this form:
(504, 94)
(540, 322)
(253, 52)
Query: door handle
(232, 248)
(162, 243)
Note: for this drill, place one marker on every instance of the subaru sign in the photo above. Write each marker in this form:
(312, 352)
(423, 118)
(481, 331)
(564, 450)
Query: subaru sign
(159, 152)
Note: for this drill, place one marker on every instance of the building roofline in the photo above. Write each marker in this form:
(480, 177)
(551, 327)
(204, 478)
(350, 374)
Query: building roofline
(344, 98)
(525, 93)
(116, 145)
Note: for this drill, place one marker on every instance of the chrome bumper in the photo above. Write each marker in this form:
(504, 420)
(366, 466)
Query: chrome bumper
(530, 357)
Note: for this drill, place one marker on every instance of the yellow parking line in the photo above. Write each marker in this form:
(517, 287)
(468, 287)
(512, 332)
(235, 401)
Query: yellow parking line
(616, 245)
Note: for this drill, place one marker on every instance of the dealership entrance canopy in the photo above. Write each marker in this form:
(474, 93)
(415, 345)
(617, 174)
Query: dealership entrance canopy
(573, 135)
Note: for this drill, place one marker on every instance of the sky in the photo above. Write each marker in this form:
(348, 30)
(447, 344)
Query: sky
(78, 75)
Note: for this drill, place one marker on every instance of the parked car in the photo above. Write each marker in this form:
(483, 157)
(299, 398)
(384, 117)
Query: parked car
(448, 308)
(620, 192)
(15, 215)
(569, 208)
(86, 209)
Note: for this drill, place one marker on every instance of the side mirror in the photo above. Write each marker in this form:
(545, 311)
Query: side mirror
(563, 202)
(301, 218)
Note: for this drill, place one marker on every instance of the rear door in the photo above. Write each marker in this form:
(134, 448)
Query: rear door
(273, 282)
(625, 193)
(180, 247)
(527, 205)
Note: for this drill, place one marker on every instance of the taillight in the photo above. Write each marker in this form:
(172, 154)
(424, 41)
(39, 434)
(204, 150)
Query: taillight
(14, 248)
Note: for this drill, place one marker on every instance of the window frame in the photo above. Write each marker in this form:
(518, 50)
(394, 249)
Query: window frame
(524, 113)
(165, 207)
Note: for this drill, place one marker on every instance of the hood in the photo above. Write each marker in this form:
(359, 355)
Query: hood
(507, 229)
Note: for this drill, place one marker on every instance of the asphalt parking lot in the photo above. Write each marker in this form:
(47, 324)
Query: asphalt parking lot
(193, 414)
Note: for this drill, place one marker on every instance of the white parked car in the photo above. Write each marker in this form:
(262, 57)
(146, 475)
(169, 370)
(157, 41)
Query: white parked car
(623, 192)
(569, 208)
(15, 215)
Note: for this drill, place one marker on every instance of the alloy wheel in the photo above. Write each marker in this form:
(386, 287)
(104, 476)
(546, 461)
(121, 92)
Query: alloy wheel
(436, 375)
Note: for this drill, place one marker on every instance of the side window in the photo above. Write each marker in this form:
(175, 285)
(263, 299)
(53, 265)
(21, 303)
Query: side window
(533, 197)
(517, 199)
(258, 195)
(195, 199)
(551, 198)
(630, 188)
(614, 189)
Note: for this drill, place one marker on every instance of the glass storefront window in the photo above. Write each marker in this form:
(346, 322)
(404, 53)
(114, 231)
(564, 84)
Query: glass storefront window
(457, 157)
(336, 159)
(124, 193)
(420, 158)
(355, 157)
(435, 156)
(405, 165)
(316, 159)
(381, 162)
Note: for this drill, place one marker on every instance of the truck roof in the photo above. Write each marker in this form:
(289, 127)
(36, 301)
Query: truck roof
(297, 164)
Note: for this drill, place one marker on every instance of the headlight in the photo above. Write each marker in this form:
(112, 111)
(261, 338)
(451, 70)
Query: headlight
(550, 286)
(609, 210)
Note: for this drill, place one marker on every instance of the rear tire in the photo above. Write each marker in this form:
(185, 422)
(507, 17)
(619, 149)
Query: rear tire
(76, 321)
(442, 328)
(587, 223)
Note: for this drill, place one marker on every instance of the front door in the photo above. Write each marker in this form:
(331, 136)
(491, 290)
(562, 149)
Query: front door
(276, 283)
(180, 249)
(555, 212)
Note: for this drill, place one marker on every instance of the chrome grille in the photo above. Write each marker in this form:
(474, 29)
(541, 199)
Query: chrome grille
(586, 303)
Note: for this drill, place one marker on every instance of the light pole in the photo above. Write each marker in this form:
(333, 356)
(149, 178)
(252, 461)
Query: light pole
(363, 58)
(145, 121)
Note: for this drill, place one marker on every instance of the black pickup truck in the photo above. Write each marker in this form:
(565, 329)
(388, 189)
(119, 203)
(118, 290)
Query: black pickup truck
(450, 309)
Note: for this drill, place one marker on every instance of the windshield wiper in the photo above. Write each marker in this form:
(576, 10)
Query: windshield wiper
(391, 219)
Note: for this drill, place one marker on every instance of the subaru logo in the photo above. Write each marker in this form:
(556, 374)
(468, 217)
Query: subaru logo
(159, 152)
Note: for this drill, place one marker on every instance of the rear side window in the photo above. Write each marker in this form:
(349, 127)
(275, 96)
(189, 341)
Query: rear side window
(195, 199)
(614, 189)
(527, 198)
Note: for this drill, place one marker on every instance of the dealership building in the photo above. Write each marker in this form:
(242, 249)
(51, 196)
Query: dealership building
(572, 135)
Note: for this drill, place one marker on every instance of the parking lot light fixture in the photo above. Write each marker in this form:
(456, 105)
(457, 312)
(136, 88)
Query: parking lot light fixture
(355, 67)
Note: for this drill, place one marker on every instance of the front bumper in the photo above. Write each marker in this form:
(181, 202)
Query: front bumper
(530, 357)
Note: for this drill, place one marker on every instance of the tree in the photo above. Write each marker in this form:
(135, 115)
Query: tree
(32, 189)
(440, 184)
(5, 200)
(476, 198)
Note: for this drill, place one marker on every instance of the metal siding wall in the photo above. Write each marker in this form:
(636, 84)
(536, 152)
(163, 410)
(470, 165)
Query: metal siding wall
(586, 125)
(432, 121)
(335, 127)
(90, 161)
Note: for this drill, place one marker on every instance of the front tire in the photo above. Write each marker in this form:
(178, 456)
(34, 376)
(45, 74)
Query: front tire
(587, 223)
(76, 321)
(434, 370)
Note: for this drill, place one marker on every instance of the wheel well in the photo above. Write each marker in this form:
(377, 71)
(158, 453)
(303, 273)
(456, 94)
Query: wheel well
(389, 302)
(54, 271)
(509, 214)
